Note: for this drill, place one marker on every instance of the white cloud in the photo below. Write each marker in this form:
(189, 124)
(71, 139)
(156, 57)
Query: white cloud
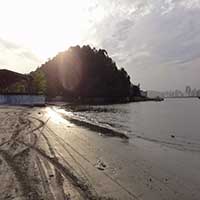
(17, 58)
(152, 37)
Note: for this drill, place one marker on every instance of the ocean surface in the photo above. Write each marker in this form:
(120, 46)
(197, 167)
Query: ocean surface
(160, 160)
(174, 122)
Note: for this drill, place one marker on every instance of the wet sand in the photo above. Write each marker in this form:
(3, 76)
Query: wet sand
(44, 156)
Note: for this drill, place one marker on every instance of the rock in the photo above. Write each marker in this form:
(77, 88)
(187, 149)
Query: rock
(100, 165)
(51, 175)
(100, 168)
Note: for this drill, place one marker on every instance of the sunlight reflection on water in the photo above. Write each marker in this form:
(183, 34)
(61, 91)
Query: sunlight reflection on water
(57, 118)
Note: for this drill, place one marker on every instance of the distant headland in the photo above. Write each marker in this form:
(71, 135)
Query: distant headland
(80, 74)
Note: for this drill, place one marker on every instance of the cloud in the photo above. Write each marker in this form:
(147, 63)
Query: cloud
(7, 44)
(16, 57)
(160, 36)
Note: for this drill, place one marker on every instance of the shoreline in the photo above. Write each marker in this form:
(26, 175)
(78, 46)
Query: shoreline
(102, 101)
(93, 127)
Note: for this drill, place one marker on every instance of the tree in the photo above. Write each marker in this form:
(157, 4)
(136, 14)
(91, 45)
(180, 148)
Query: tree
(38, 82)
(19, 88)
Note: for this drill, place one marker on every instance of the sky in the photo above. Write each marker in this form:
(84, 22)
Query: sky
(156, 41)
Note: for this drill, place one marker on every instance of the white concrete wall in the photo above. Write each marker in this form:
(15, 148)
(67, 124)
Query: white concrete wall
(22, 99)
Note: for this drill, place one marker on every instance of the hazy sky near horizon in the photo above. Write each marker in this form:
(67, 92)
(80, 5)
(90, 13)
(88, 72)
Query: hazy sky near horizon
(156, 41)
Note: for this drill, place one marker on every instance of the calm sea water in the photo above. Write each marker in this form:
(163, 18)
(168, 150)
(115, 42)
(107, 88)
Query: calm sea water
(173, 121)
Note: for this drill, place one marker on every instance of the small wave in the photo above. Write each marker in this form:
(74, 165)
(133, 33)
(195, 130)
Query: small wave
(177, 144)
(81, 121)
(109, 129)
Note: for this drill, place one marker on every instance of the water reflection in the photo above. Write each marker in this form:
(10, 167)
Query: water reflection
(57, 118)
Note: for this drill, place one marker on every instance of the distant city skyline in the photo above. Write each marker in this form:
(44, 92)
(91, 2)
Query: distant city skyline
(178, 93)
(188, 92)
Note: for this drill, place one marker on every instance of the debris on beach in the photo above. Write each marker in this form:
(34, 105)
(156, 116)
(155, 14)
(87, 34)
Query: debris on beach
(100, 165)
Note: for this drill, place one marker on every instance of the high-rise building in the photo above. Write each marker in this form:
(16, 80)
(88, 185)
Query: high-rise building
(188, 91)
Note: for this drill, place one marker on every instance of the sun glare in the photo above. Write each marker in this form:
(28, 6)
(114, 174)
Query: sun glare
(56, 117)
(45, 27)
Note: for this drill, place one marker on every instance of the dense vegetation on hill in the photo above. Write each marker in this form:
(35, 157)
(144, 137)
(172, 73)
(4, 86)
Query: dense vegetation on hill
(12, 82)
(86, 72)
(9, 78)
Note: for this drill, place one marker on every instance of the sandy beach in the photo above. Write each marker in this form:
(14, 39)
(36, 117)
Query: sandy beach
(44, 156)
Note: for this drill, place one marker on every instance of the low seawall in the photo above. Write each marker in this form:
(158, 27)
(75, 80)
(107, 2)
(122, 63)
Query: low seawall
(21, 99)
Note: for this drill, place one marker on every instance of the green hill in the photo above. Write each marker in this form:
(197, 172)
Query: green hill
(85, 72)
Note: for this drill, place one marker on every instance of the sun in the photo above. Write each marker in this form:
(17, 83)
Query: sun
(64, 24)
(46, 27)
